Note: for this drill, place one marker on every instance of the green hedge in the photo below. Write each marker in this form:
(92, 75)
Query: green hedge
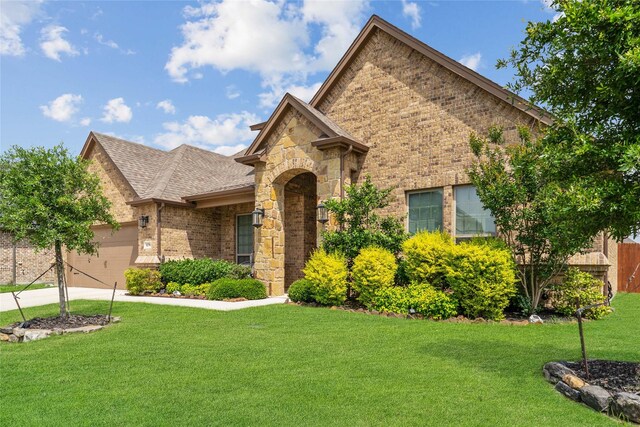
(579, 289)
(420, 298)
(237, 288)
(301, 291)
(141, 280)
(203, 270)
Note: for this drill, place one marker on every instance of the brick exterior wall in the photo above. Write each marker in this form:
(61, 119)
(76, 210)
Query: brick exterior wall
(227, 236)
(29, 263)
(190, 233)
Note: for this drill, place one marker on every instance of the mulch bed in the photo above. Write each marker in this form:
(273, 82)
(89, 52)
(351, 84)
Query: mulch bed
(72, 321)
(611, 375)
(165, 295)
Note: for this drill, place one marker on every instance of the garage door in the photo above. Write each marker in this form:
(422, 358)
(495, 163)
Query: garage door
(117, 252)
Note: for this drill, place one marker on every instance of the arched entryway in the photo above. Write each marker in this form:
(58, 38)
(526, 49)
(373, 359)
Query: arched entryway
(300, 233)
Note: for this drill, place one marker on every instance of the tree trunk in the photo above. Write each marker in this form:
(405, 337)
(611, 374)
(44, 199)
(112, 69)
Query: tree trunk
(60, 274)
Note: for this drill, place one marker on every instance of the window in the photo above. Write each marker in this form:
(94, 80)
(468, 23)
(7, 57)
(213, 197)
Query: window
(425, 211)
(472, 219)
(244, 239)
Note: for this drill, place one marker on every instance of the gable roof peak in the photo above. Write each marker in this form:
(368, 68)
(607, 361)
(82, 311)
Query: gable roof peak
(377, 23)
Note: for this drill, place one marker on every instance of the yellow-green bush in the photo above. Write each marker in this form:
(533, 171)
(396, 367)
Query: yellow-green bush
(427, 255)
(483, 279)
(374, 268)
(328, 276)
(579, 289)
(422, 298)
(141, 280)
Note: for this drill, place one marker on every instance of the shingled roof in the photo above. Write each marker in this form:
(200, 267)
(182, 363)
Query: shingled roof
(172, 175)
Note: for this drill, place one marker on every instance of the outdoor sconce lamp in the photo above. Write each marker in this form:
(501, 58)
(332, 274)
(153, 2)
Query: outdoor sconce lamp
(257, 217)
(323, 214)
(143, 221)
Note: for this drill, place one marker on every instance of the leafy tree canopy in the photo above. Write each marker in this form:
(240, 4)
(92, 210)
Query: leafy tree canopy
(360, 225)
(49, 196)
(584, 67)
(539, 221)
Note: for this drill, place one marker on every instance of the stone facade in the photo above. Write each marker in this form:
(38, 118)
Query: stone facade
(28, 262)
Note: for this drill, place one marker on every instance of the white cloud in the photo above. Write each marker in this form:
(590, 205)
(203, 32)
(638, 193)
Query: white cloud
(14, 16)
(166, 106)
(86, 121)
(548, 6)
(113, 45)
(271, 98)
(53, 44)
(117, 111)
(272, 39)
(411, 10)
(109, 43)
(226, 133)
(472, 61)
(232, 92)
(63, 108)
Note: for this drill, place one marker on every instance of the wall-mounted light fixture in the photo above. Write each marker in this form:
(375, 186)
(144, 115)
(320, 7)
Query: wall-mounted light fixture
(143, 221)
(257, 217)
(323, 213)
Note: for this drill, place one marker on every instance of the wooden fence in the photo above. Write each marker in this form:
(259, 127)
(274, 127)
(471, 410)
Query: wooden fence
(629, 267)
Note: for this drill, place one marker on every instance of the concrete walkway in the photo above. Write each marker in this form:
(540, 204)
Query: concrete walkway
(50, 296)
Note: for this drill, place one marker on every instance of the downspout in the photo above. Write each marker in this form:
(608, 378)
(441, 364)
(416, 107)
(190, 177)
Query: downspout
(342, 157)
(159, 207)
(14, 269)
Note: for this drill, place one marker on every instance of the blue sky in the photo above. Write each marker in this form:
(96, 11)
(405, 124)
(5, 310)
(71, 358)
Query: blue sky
(172, 72)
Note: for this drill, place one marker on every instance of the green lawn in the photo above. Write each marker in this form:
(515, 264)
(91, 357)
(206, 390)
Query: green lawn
(289, 365)
(18, 288)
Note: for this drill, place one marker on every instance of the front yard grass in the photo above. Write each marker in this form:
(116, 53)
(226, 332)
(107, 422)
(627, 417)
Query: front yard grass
(18, 288)
(290, 365)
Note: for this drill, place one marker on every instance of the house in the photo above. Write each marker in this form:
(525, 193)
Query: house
(393, 108)
(22, 263)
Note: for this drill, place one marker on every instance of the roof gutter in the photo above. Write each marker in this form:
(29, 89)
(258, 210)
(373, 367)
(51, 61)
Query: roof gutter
(139, 202)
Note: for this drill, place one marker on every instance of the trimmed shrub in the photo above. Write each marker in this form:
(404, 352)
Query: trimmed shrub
(328, 276)
(172, 287)
(140, 280)
(203, 270)
(373, 269)
(194, 290)
(483, 279)
(429, 302)
(579, 289)
(237, 288)
(427, 255)
(422, 298)
(394, 299)
(301, 291)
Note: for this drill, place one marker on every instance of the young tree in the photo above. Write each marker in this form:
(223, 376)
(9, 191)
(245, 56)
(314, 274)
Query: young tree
(584, 67)
(537, 219)
(50, 198)
(360, 226)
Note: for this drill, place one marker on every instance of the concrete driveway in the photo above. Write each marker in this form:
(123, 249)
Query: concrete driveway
(50, 296)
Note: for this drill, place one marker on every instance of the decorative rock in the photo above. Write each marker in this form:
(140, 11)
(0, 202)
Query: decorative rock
(7, 330)
(19, 332)
(568, 391)
(57, 331)
(595, 397)
(13, 338)
(573, 381)
(554, 371)
(36, 334)
(4, 337)
(85, 329)
(626, 406)
(115, 319)
(534, 318)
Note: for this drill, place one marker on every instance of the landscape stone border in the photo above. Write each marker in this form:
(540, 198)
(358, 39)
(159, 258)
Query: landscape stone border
(16, 334)
(622, 405)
